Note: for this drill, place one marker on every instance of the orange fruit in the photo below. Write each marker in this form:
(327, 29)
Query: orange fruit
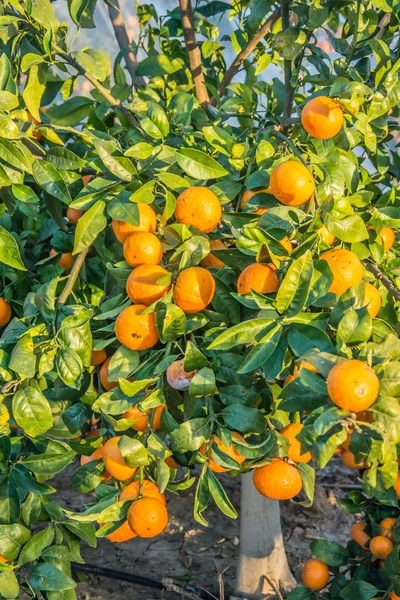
(86, 179)
(257, 277)
(229, 450)
(147, 222)
(200, 207)
(142, 286)
(98, 357)
(388, 236)
(194, 289)
(353, 385)
(287, 244)
(315, 574)
(122, 534)
(171, 462)
(292, 183)
(149, 489)
(394, 596)
(326, 236)
(97, 455)
(147, 517)
(115, 462)
(211, 260)
(381, 546)
(141, 418)
(278, 480)
(288, 379)
(388, 527)
(294, 451)
(5, 312)
(142, 248)
(303, 364)
(177, 377)
(322, 117)
(73, 214)
(135, 330)
(346, 268)
(372, 300)
(358, 534)
(66, 261)
(108, 385)
(396, 486)
(248, 194)
(2, 559)
(349, 461)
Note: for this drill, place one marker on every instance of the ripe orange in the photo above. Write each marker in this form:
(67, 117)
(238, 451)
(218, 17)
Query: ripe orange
(194, 289)
(73, 214)
(349, 461)
(142, 286)
(149, 490)
(177, 377)
(388, 237)
(322, 117)
(315, 574)
(303, 364)
(292, 183)
(229, 450)
(278, 480)
(326, 236)
(147, 222)
(381, 546)
(147, 517)
(396, 486)
(287, 244)
(358, 534)
(372, 300)
(288, 379)
(135, 330)
(86, 179)
(353, 385)
(115, 462)
(200, 207)
(98, 357)
(248, 194)
(388, 527)
(107, 385)
(394, 596)
(66, 261)
(257, 277)
(171, 462)
(2, 559)
(211, 260)
(97, 455)
(141, 418)
(5, 312)
(346, 268)
(142, 248)
(294, 451)
(122, 534)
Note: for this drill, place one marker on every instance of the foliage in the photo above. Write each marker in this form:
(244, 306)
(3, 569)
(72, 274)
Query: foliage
(146, 145)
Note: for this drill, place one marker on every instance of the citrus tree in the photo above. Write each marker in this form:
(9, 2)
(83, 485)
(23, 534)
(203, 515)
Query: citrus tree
(197, 269)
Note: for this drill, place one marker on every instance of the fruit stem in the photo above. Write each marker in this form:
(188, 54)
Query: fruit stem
(284, 138)
(80, 259)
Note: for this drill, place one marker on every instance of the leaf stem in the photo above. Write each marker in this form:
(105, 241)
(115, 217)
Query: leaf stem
(80, 259)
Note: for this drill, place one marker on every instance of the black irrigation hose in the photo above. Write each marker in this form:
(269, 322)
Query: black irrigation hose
(138, 579)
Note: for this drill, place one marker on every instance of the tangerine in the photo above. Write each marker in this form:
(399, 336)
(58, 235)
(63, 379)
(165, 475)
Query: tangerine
(5, 312)
(147, 222)
(211, 260)
(141, 418)
(177, 377)
(123, 534)
(97, 455)
(388, 527)
(149, 490)
(135, 330)
(229, 450)
(292, 183)
(142, 248)
(349, 461)
(357, 533)
(147, 517)
(277, 480)
(346, 268)
(74, 214)
(322, 117)
(66, 261)
(248, 194)
(194, 289)
(353, 385)
(200, 207)
(98, 357)
(372, 300)
(142, 285)
(315, 574)
(381, 546)
(115, 462)
(294, 452)
(257, 277)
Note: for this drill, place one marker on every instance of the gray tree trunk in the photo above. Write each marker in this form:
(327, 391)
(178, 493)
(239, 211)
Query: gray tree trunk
(263, 566)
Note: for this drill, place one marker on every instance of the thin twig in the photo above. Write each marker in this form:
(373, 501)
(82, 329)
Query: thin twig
(100, 88)
(287, 68)
(245, 53)
(80, 259)
(271, 583)
(121, 35)
(289, 142)
(392, 289)
(383, 23)
(195, 64)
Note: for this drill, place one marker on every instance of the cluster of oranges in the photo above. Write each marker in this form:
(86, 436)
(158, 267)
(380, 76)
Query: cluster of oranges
(315, 573)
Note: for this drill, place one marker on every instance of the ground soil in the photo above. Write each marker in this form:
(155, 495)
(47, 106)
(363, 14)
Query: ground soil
(195, 555)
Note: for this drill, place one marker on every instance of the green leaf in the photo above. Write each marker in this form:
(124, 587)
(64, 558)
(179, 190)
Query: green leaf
(12, 538)
(243, 333)
(35, 546)
(12, 155)
(69, 367)
(244, 418)
(9, 585)
(96, 62)
(219, 495)
(64, 159)
(303, 338)
(190, 435)
(157, 65)
(9, 251)
(133, 451)
(47, 577)
(123, 209)
(358, 590)
(330, 553)
(32, 411)
(355, 327)
(87, 477)
(43, 12)
(122, 363)
(34, 89)
(199, 165)
(89, 226)
(294, 289)
(261, 351)
(8, 101)
(203, 383)
(50, 180)
(23, 360)
(349, 229)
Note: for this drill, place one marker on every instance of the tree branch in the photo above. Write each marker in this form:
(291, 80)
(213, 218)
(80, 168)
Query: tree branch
(121, 36)
(287, 68)
(375, 270)
(195, 64)
(245, 53)
(80, 259)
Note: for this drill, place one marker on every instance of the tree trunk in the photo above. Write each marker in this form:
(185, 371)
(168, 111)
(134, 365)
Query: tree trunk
(263, 566)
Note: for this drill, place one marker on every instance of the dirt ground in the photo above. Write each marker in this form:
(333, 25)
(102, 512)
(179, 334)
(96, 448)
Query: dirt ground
(192, 554)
